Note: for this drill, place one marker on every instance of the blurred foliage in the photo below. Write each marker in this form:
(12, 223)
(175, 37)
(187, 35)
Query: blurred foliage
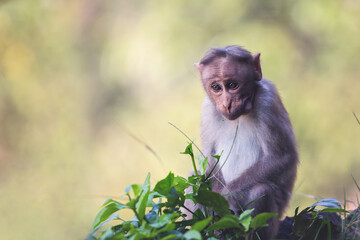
(76, 77)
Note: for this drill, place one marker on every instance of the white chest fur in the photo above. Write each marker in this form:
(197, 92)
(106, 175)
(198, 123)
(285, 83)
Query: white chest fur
(245, 152)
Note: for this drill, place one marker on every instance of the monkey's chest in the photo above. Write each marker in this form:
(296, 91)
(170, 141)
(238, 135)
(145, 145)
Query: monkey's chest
(239, 154)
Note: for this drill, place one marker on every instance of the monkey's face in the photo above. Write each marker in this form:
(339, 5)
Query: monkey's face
(230, 85)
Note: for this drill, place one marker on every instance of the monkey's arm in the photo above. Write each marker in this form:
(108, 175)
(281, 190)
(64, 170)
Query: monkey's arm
(279, 171)
(266, 186)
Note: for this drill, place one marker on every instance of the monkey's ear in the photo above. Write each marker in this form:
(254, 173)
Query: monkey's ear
(198, 66)
(257, 66)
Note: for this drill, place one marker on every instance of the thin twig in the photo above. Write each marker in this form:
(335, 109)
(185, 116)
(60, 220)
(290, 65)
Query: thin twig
(198, 150)
(192, 141)
(193, 213)
(144, 144)
(356, 118)
(307, 195)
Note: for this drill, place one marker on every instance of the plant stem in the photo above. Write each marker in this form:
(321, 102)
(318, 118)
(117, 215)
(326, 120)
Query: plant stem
(187, 138)
(137, 215)
(187, 209)
(193, 162)
(217, 161)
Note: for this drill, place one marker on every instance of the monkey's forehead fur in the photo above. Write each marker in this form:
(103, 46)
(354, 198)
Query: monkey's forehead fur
(223, 68)
(237, 53)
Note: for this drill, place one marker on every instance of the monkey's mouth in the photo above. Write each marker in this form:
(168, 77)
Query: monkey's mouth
(240, 110)
(236, 114)
(231, 116)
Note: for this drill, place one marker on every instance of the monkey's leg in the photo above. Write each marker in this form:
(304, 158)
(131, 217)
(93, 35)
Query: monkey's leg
(268, 198)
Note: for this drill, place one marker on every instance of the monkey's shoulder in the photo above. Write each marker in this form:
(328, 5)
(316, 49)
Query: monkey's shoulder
(273, 119)
(267, 94)
(268, 104)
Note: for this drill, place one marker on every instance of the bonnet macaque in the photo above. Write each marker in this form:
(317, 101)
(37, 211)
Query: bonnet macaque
(263, 160)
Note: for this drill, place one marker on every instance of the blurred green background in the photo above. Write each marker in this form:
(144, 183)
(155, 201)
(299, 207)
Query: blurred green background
(77, 78)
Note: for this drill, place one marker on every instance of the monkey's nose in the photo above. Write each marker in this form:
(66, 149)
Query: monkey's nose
(228, 107)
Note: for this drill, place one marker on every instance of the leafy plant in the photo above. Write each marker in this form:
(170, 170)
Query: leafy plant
(331, 222)
(312, 223)
(157, 213)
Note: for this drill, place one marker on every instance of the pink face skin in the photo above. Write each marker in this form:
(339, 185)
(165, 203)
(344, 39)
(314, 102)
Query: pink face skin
(231, 85)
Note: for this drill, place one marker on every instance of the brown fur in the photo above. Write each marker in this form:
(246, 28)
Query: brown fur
(264, 159)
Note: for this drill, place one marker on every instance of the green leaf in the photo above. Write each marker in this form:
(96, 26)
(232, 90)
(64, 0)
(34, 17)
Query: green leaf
(152, 216)
(296, 211)
(246, 223)
(202, 163)
(199, 226)
(169, 227)
(143, 199)
(180, 184)
(192, 234)
(246, 214)
(127, 189)
(109, 200)
(141, 204)
(261, 219)
(163, 186)
(106, 212)
(111, 218)
(193, 179)
(108, 234)
(217, 157)
(188, 150)
(334, 210)
(175, 198)
(328, 202)
(147, 181)
(163, 220)
(245, 219)
(198, 214)
(171, 236)
(213, 200)
(228, 221)
(132, 203)
(135, 187)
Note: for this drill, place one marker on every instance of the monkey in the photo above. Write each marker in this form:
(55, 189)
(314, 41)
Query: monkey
(244, 118)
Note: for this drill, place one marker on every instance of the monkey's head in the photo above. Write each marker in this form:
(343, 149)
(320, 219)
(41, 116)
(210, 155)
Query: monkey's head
(229, 76)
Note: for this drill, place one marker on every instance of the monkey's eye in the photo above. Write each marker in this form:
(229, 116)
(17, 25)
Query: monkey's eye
(232, 85)
(216, 87)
